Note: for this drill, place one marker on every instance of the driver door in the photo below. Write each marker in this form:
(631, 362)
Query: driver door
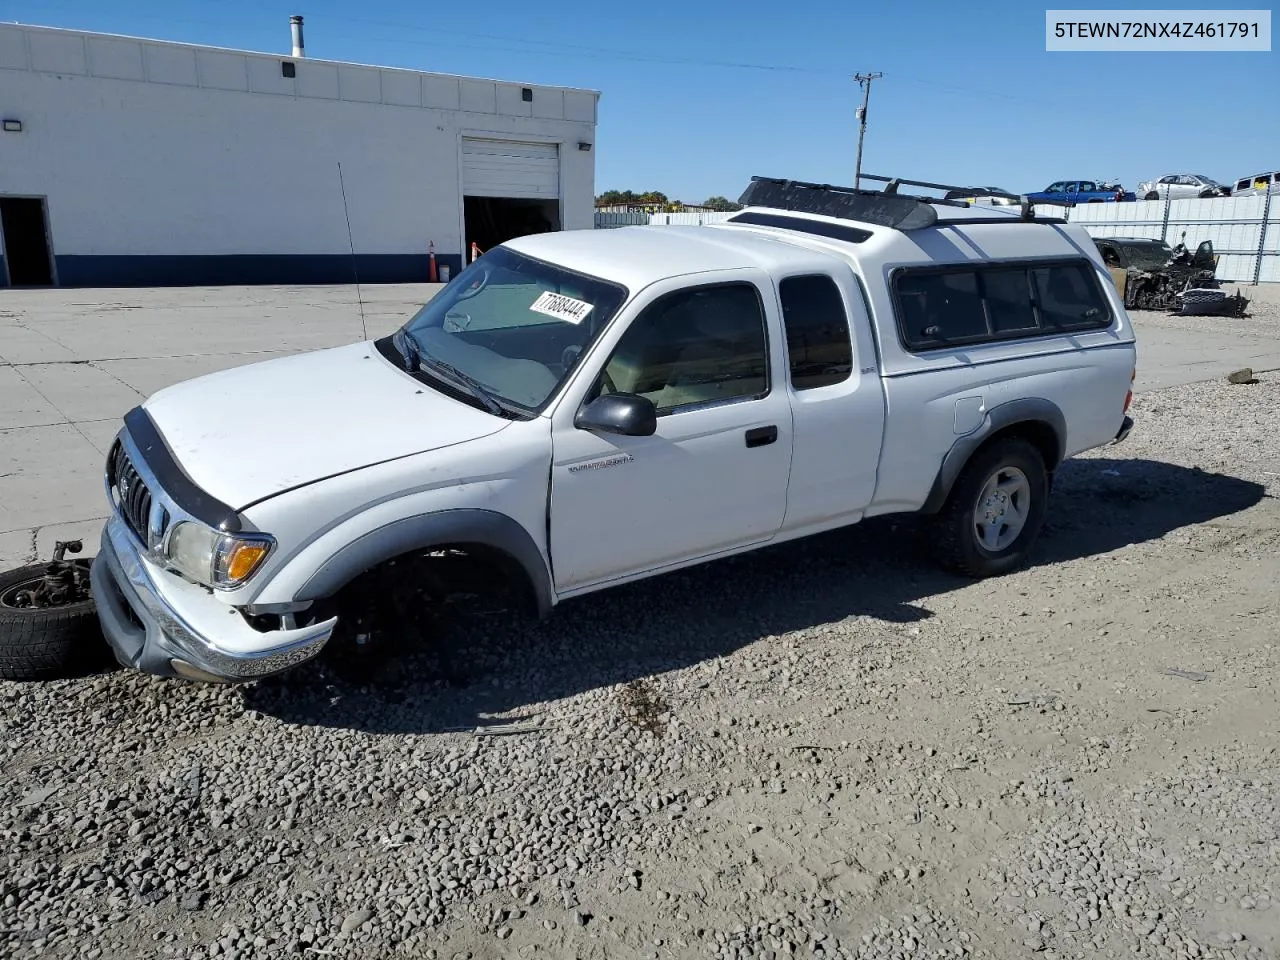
(713, 476)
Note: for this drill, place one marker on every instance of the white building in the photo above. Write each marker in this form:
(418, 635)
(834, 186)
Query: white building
(139, 162)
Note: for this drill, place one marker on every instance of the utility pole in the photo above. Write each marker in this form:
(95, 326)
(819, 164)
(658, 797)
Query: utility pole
(864, 80)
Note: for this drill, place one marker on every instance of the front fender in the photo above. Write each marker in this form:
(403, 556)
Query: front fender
(461, 526)
(504, 515)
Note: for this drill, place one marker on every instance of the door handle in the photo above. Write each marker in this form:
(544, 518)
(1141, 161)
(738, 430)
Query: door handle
(761, 436)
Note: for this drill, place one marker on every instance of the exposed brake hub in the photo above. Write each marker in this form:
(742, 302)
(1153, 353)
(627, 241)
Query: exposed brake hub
(64, 581)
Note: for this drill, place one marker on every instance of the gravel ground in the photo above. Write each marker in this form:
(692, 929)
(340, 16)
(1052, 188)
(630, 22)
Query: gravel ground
(826, 749)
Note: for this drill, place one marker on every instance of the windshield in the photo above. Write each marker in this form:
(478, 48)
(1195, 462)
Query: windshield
(1147, 256)
(508, 330)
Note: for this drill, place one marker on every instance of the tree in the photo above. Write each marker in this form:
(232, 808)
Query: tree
(652, 197)
(722, 204)
(615, 196)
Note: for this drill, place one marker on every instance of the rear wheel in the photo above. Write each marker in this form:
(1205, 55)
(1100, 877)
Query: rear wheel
(995, 510)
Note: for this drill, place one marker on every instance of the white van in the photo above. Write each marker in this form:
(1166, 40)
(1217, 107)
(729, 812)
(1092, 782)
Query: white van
(1257, 185)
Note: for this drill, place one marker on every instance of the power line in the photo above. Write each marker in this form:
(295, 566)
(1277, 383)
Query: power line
(864, 80)
(557, 48)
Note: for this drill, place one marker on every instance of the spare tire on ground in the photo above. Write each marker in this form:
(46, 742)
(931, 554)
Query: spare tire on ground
(48, 622)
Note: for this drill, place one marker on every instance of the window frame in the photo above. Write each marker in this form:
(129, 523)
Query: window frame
(848, 329)
(1028, 264)
(598, 379)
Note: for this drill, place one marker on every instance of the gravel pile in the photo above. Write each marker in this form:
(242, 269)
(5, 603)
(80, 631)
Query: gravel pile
(828, 749)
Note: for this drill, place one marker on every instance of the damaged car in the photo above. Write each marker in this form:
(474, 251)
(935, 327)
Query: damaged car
(1151, 275)
(1183, 186)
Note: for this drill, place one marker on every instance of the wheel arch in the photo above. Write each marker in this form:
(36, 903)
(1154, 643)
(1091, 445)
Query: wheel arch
(493, 536)
(1039, 421)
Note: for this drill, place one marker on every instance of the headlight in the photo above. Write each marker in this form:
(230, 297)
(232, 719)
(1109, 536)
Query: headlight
(216, 559)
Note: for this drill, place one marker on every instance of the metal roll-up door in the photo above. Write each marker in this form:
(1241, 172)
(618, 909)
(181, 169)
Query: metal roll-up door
(510, 168)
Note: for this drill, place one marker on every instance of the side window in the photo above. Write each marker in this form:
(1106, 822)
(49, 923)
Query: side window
(817, 328)
(695, 346)
(941, 308)
(1069, 297)
(1008, 297)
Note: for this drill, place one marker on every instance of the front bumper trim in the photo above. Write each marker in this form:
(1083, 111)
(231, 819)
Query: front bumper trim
(174, 636)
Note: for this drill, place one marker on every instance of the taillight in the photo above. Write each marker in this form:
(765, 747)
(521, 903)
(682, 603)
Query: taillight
(1128, 397)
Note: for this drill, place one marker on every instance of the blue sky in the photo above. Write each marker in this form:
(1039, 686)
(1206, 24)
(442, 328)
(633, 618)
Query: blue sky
(697, 97)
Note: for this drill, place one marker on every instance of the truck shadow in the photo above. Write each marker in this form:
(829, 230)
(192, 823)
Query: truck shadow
(880, 569)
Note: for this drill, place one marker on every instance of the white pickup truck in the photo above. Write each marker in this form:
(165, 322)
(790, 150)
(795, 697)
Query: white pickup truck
(580, 409)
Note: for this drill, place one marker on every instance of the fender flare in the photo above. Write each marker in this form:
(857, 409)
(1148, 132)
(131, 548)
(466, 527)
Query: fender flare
(1029, 410)
(424, 531)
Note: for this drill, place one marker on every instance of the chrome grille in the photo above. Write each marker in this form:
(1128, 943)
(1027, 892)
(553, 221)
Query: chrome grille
(131, 493)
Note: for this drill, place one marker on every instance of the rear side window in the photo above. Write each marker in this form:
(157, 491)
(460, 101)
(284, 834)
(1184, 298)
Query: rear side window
(940, 308)
(1069, 298)
(1008, 298)
(817, 328)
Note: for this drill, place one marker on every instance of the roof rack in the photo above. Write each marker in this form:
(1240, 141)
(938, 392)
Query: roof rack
(886, 208)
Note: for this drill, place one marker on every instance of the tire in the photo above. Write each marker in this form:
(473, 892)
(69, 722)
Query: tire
(1151, 195)
(959, 546)
(47, 643)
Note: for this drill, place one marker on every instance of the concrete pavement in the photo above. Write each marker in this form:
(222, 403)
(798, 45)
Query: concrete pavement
(72, 362)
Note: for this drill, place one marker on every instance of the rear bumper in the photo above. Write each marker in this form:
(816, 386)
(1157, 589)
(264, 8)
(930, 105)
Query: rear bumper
(182, 630)
(1124, 430)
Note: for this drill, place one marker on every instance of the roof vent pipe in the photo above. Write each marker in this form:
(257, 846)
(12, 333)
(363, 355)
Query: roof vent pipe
(295, 23)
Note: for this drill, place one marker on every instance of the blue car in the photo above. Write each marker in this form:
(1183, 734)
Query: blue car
(1082, 191)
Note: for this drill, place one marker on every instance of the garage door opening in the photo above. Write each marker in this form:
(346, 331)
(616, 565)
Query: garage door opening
(493, 220)
(510, 188)
(26, 242)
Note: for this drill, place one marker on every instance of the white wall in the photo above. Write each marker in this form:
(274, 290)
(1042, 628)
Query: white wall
(1245, 231)
(156, 148)
(1235, 226)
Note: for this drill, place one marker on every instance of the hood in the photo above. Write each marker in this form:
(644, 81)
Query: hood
(258, 430)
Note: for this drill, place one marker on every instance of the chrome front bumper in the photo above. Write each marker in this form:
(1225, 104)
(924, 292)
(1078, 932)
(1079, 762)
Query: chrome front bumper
(158, 623)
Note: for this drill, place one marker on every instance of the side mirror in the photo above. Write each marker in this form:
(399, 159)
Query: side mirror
(628, 414)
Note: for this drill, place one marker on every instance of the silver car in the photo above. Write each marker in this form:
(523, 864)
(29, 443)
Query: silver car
(1181, 186)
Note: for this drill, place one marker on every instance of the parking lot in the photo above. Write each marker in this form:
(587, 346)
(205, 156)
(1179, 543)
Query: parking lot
(827, 748)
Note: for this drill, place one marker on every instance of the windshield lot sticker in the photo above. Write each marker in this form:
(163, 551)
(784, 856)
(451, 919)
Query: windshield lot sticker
(561, 307)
